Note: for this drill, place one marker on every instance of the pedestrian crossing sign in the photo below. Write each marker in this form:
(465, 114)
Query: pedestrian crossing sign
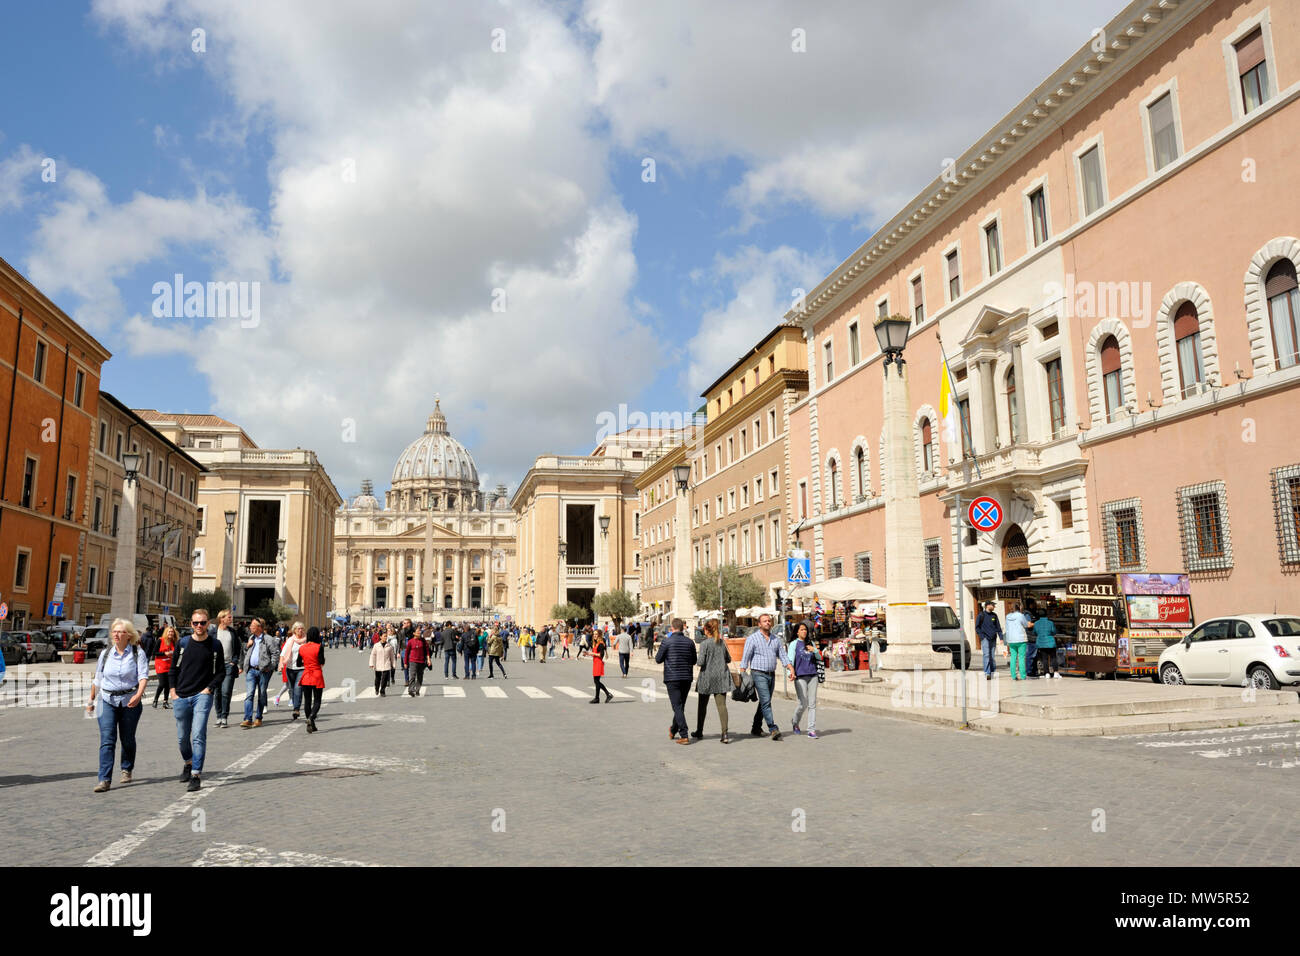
(797, 569)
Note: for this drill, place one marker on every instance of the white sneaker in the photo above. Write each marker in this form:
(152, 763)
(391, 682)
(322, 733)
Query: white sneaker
(1057, 675)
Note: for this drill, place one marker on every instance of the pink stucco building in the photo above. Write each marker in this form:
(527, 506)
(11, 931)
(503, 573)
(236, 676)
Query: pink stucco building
(1111, 270)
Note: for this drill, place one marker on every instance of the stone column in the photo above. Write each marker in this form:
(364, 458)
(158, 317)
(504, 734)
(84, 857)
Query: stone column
(368, 596)
(420, 591)
(123, 597)
(401, 579)
(1022, 388)
(907, 619)
(683, 606)
(989, 404)
(455, 579)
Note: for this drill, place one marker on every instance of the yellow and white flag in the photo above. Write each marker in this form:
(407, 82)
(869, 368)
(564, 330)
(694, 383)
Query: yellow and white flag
(948, 407)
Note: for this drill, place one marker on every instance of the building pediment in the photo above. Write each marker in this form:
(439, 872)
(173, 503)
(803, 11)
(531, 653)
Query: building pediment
(419, 531)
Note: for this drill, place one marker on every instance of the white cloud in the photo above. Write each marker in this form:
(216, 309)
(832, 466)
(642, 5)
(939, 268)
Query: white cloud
(760, 286)
(855, 125)
(473, 170)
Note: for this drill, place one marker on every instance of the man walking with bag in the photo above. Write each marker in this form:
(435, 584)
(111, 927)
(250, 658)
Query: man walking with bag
(762, 651)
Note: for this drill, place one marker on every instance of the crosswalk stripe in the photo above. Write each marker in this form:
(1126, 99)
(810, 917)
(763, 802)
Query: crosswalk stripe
(396, 718)
(334, 693)
(494, 692)
(622, 696)
(367, 694)
(449, 691)
(573, 692)
(361, 761)
(535, 692)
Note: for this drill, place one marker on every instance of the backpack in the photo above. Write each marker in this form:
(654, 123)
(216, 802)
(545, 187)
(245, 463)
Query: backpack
(135, 659)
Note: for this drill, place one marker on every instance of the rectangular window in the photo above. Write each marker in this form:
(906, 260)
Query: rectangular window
(117, 451)
(1203, 523)
(1067, 513)
(829, 360)
(855, 354)
(836, 569)
(882, 309)
(744, 496)
(718, 506)
(758, 435)
(64, 564)
(744, 442)
(117, 511)
(1038, 215)
(776, 536)
(954, 276)
(103, 436)
(993, 246)
(744, 545)
(758, 488)
(38, 367)
(1253, 70)
(21, 566)
(99, 513)
(918, 301)
(771, 485)
(771, 424)
(803, 499)
(92, 581)
(758, 541)
(1056, 396)
(1122, 528)
(29, 482)
(78, 388)
(731, 450)
(862, 567)
(1164, 136)
(1093, 189)
(706, 512)
(933, 565)
(108, 582)
(70, 498)
(1286, 512)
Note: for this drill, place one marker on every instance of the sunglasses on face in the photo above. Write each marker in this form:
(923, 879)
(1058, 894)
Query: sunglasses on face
(198, 623)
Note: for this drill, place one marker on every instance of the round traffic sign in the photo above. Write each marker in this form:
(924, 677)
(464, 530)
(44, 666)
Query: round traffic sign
(4, 610)
(984, 514)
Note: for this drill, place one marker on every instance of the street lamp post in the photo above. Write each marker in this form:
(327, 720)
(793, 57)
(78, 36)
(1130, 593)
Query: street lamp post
(683, 606)
(564, 549)
(907, 621)
(280, 570)
(228, 559)
(123, 597)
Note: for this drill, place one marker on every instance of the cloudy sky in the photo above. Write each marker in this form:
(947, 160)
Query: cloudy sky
(537, 211)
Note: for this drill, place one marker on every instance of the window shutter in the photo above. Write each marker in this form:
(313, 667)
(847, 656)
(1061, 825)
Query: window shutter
(1250, 51)
(952, 265)
(1109, 355)
(1186, 322)
(1281, 278)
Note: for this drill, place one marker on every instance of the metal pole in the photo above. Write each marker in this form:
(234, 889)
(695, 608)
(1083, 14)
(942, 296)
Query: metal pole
(961, 614)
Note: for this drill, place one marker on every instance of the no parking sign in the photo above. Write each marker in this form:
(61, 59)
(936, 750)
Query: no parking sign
(984, 514)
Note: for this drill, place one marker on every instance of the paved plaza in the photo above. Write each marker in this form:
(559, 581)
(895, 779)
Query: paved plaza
(525, 771)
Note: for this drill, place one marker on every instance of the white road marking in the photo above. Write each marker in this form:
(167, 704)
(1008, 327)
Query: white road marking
(116, 852)
(449, 691)
(494, 692)
(1212, 741)
(395, 718)
(1246, 751)
(573, 692)
(534, 692)
(334, 693)
(620, 694)
(361, 762)
(233, 854)
(5, 740)
(368, 694)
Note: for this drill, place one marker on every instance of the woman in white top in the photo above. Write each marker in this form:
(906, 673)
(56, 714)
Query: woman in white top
(289, 662)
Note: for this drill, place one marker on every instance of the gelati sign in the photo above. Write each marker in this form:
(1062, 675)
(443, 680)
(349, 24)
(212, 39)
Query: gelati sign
(1097, 623)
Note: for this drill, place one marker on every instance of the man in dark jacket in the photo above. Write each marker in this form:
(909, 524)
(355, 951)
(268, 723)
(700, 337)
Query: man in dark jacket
(469, 647)
(988, 629)
(199, 671)
(447, 638)
(677, 654)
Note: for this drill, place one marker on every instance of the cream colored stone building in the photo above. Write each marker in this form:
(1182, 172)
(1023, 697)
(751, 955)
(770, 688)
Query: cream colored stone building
(167, 514)
(269, 495)
(437, 548)
(563, 498)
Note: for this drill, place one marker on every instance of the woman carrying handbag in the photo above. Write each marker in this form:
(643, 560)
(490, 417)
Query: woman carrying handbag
(715, 679)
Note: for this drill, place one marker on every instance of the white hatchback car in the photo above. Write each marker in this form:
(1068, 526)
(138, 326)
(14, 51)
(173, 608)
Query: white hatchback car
(1258, 649)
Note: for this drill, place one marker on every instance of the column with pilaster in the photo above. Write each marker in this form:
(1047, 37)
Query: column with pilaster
(419, 580)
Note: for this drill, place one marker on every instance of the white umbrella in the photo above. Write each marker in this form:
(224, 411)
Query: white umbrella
(841, 589)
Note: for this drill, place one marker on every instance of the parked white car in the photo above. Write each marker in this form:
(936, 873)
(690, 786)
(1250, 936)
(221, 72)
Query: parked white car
(1258, 649)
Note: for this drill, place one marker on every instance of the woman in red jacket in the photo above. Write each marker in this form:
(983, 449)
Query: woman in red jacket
(312, 655)
(162, 666)
(598, 671)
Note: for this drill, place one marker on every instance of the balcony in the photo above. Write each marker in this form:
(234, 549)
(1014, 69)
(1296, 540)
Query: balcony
(582, 572)
(254, 571)
(1037, 459)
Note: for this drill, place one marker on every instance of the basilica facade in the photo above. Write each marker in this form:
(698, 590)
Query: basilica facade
(437, 548)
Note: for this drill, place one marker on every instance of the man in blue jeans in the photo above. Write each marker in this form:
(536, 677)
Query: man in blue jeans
(989, 629)
(260, 656)
(678, 655)
(762, 651)
(199, 670)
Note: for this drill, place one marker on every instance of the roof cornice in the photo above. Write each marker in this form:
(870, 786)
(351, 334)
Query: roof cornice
(1140, 26)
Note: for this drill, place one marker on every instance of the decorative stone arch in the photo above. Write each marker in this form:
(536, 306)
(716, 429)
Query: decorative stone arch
(1166, 347)
(833, 493)
(924, 412)
(861, 443)
(1015, 512)
(1092, 367)
(1257, 327)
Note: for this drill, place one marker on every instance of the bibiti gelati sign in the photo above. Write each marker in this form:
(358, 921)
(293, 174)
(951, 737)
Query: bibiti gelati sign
(1097, 623)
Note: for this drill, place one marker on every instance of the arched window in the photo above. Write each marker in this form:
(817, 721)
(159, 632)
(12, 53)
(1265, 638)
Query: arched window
(1111, 377)
(1187, 341)
(835, 484)
(1283, 310)
(1013, 406)
(451, 502)
(860, 467)
(927, 446)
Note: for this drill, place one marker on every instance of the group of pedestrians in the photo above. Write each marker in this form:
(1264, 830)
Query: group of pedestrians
(1029, 642)
(764, 653)
(196, 675)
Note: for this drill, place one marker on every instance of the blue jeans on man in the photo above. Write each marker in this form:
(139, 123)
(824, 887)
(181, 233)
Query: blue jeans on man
(192, 727)
(764, 681)
(990, 649)
(227, 691)
(471, 664)
(256, 681)
(449, 661)
(114, 722)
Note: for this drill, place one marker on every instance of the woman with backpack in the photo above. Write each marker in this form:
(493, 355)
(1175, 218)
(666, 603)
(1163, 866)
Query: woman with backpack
(162, 665)
(804, 658)
(715, 679)
(120, 679)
